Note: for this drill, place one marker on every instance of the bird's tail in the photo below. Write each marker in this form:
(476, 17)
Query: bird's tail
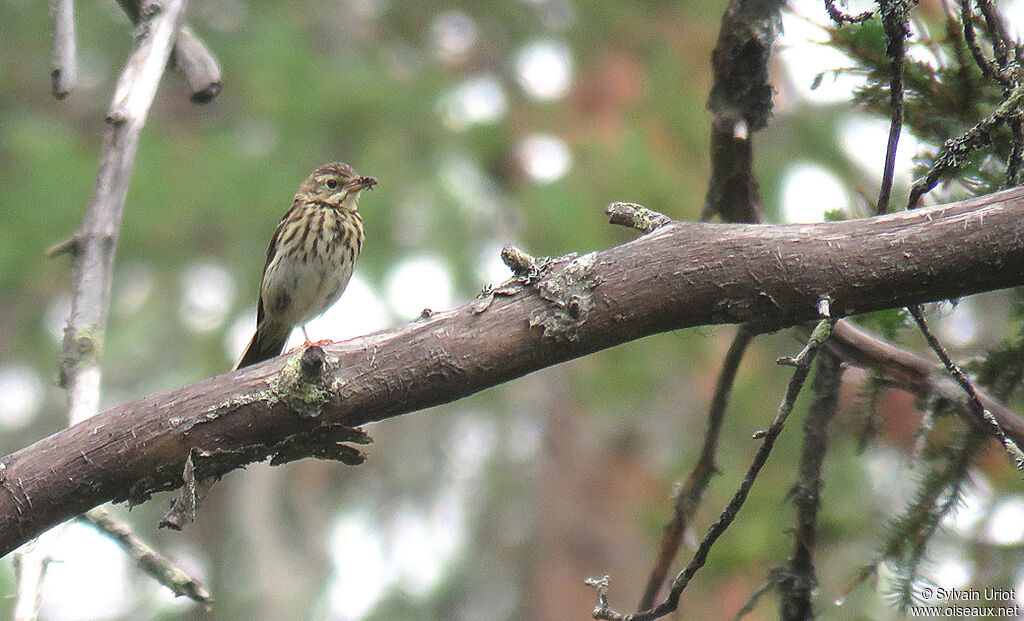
(267, 342)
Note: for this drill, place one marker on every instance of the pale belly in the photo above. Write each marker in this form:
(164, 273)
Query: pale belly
(295, 292)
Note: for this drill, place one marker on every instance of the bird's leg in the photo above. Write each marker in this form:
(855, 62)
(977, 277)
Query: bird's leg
(309, 343)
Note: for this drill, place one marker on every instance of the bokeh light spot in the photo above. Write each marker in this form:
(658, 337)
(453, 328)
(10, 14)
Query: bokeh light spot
(418, 283)
(207, 291)
(808, 191)
(21, 394)
(544, 69)
(544, 158)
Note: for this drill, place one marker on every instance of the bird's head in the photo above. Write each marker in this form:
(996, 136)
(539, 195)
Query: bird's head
(337, 184)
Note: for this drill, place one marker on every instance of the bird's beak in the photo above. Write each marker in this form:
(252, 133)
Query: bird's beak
(362, 183)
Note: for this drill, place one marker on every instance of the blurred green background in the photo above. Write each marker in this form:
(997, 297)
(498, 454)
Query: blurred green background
(486, 124)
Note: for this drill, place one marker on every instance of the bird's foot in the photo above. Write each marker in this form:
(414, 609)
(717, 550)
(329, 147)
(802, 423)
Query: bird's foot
(308, 344)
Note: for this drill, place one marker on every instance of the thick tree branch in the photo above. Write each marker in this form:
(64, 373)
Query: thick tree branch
(680, 275)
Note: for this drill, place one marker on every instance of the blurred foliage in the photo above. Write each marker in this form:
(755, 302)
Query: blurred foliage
(562, 474)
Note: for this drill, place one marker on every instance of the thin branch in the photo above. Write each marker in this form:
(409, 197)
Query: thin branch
(692, 491)
(64, 63)
(895, 16)
(190, 56)
(158, 566)
(840, 18)
(984, 418)
(680, 275)
(755, 598)
(988, 68)
(798, 581)
(955, 151)
(30, 564)
(1002, 43)
(93, 246)
(802, 364)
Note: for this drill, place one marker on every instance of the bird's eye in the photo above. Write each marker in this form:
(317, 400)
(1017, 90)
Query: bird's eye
(332, 183)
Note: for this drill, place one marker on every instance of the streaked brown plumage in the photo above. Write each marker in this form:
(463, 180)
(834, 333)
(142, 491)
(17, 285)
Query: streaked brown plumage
(310, 259)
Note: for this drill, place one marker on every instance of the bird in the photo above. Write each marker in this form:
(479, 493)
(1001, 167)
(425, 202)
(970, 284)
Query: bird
(310, 258)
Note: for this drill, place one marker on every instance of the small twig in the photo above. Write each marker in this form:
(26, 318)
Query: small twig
(984, 416)
(997, 33)
(989, 68)
(518, 260)
(636, 216)
(689, 495)
(755, 598)
(64, 63)
(158, 566)
(798, 581)
(201, 70)
(895, 20)
(819, 335)
(802, 362)
(68, 246)
(187, 498)
(840, 18)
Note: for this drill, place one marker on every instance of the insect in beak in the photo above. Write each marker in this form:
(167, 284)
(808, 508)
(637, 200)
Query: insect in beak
(362, 183)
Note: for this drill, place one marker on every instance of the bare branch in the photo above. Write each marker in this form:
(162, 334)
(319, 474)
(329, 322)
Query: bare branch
(895, 19)
(64, 63)
(912, 372)
(158, 566)
(92, 248)
(680, 275)
(190, 56)
(740, 103)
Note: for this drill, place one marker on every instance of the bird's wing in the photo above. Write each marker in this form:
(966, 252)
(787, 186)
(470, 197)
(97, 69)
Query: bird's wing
(271, 250)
